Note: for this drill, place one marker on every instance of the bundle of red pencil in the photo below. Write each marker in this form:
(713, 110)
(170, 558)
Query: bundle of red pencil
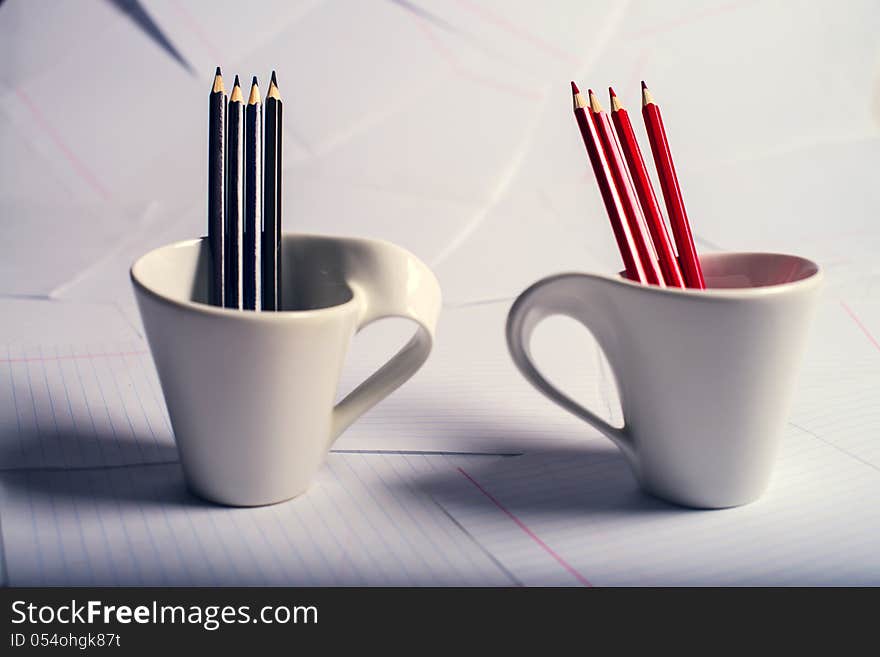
(626, 189)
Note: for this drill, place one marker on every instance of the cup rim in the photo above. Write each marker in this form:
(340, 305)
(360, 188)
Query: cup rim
(774, 289)
(196, 306)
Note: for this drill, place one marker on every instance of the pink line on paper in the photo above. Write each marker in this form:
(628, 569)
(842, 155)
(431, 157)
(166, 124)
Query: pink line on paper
(562, 562)
(860, 325)
(502, 23)
(75, 162)
(120, 354)
(194, 27)
(687, 19)
(461, 70)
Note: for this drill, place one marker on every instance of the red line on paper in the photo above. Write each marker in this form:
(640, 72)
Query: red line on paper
(687, 19)
(118, 354)
(463, 71)
(75, 162)
(502, 23)
(193, 25)
(861, 325)
(562, 562)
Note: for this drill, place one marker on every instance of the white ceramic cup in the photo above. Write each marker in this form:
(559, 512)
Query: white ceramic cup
(705, 378)
(251, 394)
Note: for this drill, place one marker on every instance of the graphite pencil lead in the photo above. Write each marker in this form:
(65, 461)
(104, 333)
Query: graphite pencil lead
(255, 93)
(274, 81)
(235, 96)
(218, 83)
(594, 102)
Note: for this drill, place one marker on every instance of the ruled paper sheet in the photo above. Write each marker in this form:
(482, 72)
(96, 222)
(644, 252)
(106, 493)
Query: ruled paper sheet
(69, 405)
(837, 399)
(577, 518)
(469, 396)
(100, 403)
(363, 522)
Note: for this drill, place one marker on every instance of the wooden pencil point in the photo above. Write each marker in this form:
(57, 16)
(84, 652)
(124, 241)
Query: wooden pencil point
(218, 83)
(579, 102)
(273, 89)
(647, 98)
(594, 102)
(615, 102)
(255, 93)
(236, 96)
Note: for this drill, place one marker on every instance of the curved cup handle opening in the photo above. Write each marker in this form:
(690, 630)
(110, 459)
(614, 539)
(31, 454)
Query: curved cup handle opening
(550, 297)
(384, 296)
(383, 381)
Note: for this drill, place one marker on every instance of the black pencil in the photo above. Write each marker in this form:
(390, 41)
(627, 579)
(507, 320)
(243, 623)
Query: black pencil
(234, 196)
(253, 206)
(216, 183)
(272, 201)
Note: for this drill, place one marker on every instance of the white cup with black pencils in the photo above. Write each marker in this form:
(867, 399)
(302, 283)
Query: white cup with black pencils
(249, 359)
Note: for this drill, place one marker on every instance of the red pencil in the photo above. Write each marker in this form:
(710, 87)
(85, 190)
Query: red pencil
(631, 208)
(681, 230)
(631, 262)
(645, 191)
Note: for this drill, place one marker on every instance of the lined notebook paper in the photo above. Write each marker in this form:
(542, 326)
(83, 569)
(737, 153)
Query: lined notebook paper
(578, 519)
(363, 522)
(838, 400)
(469, 396)
(99, 403)
(86, 405)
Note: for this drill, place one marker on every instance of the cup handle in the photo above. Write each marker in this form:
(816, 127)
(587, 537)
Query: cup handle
(384, 295)
(557, 295)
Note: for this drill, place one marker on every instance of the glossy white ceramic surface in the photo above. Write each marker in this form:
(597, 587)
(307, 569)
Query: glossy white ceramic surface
(705, 377)
(250, 394)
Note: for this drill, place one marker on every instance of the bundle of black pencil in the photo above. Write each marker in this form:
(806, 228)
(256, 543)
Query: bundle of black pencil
(244, 197)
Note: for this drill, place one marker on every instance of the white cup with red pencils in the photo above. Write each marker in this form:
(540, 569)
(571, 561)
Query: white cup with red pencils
(704, 350)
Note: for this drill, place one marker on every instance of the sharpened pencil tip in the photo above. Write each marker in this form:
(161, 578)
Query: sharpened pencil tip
(255, 93)
(218, 83)
(647, 98)
(594, 102)
(235, 96)
(217, 72)
(615, 102)
(273, 89)
(574, 88)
